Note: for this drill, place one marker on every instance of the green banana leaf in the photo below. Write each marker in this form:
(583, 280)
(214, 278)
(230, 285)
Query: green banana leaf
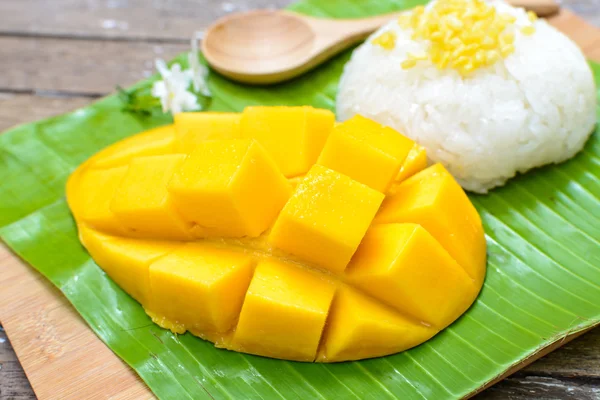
(543, 280)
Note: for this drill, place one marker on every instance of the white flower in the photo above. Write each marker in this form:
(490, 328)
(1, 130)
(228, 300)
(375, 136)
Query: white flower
(172, 90)
(199, 71)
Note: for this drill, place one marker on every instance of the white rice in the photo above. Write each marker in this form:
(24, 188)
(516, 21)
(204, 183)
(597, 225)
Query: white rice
(535, 107)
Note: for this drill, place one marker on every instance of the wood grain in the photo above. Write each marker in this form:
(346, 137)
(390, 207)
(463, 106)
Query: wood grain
(94, 67)
(50, 337)
(21, 108)
(13, 382)
(570, 372)
(88, 67)
(130, 19)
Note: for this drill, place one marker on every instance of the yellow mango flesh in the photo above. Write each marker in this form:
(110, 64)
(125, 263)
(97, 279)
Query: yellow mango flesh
(126, 260)
(226, 226)
(201, 287)
(433, 199)
(229, 188)
(415, 161)
(150, 143)
(95, 191)
(325, 219)
(406, 267)
(194, 128)
(142, 203)
(360, 327)
(294, 136)
(284, 312)
(366, 152)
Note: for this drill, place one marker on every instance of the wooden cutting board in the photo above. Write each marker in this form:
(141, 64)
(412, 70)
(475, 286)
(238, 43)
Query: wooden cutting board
(64, 359)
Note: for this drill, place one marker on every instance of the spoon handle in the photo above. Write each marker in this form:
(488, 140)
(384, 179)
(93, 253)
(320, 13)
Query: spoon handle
(543, 8)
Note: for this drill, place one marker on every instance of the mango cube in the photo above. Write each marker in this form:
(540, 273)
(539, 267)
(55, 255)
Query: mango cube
(230, 188)
(284, 312)
(201, 287)
(415, 161)
(434, 200)
(366, 152)
(97, 188)
(195, 127)
(153, 142)
(403, 265)
(142, 203)
(360, 327)
(326, 218)
(293, 136)
(126, 260)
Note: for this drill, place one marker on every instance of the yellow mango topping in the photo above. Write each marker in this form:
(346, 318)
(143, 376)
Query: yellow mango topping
(325, 219)
(96, 189)
(156, 141)
(360, 327)
(293, 136)
(284, 312)
(405, 266)
(434, 200)
(229, 188)
(387, 40)
(366, 152)
(277, 234)
(528, 30)
(201, 287)
(126, 260)
(153, 142)
(142, 203)
(195, 127)
(461, 34)
(415, 161)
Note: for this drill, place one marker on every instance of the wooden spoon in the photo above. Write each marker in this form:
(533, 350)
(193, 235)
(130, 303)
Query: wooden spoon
(267, 46)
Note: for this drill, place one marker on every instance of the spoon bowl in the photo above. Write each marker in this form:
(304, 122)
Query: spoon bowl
(269, 46)
(259, 42)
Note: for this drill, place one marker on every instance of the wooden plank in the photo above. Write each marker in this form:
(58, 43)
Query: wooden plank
(49, 336)
(135, 19)
(77, 66)
(20, 108)
(531, 359)
(520, 386)
(141, 19)
(541, 387)
(578, 359)
(94, 67)
(13, 382)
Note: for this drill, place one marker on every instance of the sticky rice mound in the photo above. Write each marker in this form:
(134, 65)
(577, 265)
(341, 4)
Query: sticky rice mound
(485, 108)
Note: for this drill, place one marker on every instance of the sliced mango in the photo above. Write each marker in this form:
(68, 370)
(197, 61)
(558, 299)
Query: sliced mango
(156, 141)
(361, 327)
(366, 152)
(201, 287)
(326, 218)
(126, 260)
(284, 312)
(433, 199)
(142, 203)
(293, 136)
(96, 189)
(226, 226)
(415, 161)
(230, 188)
(403, 265)
(194, 128)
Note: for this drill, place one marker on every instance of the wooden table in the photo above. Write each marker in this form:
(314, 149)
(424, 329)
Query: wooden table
(59, 55)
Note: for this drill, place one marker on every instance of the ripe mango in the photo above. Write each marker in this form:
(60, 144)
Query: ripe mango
(273, 233)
